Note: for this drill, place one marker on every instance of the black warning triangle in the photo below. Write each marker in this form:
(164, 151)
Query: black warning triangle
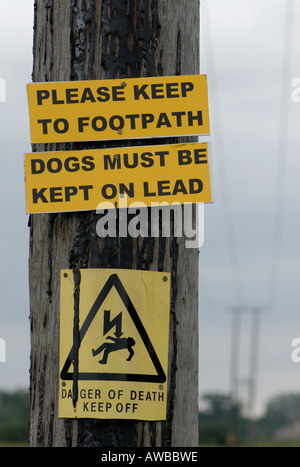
(159, 377)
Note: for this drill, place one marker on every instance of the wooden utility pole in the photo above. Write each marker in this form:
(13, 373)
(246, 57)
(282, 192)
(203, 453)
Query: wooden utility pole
(101, 39)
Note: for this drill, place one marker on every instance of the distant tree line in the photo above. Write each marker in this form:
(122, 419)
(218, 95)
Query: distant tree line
(222, 423)
(14, 417)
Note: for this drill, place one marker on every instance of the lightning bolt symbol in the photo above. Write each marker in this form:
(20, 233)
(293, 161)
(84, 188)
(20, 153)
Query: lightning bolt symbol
(109, 324)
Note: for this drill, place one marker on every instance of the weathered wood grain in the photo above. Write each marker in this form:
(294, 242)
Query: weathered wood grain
(96, 39)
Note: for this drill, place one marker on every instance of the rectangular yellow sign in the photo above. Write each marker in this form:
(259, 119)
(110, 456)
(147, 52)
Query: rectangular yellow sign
(114, 333)
(118, 109)
(102, 178)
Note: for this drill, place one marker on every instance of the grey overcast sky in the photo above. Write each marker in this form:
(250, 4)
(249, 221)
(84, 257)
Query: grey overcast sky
(250, 257)
(255, 168)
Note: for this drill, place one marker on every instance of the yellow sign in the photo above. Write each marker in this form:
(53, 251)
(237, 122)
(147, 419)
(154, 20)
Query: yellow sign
(118, 109)
(82, 180)
(114, 328)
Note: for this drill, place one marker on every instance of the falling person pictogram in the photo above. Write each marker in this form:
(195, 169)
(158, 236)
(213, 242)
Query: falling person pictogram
(119, 343)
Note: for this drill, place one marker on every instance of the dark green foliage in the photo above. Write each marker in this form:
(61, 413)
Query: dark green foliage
(222, 423)
(219, 420)
(281, 410)
(14, 416)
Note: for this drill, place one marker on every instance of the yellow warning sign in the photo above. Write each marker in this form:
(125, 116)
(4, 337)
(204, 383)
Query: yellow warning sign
(118, 109)
(82, 180)
(114, 328)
